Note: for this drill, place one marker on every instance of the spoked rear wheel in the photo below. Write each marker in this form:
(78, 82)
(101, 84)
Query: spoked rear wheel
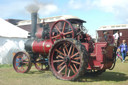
(22, 62)
(68, 59)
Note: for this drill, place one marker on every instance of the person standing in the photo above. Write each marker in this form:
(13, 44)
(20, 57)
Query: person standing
(105, 35)
(116, 38)
(118, 54)
(124, 48)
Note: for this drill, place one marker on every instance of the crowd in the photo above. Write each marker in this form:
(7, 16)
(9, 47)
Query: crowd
(122, 49)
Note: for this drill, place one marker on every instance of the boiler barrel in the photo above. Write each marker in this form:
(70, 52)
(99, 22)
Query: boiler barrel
(38, 46)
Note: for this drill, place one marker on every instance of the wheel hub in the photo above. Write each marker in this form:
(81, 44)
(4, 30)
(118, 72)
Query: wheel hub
(61, 34)
(21, 63)
(67, 60)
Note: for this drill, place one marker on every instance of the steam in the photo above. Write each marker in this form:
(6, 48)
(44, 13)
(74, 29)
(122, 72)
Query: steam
(36, 5)
(33, 8)
(44, 7)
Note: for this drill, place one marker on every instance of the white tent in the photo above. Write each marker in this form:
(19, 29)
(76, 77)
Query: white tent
(12, 40)
(9, 30)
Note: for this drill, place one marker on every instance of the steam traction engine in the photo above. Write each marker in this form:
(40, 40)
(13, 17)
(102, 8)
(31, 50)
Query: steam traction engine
(66, 49)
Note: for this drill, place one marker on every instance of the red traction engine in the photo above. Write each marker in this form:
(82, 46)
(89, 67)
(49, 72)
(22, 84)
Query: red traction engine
(66, 49)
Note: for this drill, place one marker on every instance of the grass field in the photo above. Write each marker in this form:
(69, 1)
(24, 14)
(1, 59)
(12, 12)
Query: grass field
(118, 76)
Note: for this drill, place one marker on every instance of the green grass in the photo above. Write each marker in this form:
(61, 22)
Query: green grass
(5, 65)
(118, 76)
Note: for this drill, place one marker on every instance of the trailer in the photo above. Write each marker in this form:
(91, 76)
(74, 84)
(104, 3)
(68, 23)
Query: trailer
(112, 29)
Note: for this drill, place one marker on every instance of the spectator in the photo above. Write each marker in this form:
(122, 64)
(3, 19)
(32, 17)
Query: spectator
(118, 54)
(105, 35)
(124, 48)
(116, 38)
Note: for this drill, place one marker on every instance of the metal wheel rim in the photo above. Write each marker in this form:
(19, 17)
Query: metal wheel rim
(70, 71)
(21, 63)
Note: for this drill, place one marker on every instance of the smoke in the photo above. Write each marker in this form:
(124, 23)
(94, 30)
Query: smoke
(32, 8)
(44, 8)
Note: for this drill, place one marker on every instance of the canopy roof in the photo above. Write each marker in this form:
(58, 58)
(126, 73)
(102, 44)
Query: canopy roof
(113, 27)
(51, 19)
(9, 30)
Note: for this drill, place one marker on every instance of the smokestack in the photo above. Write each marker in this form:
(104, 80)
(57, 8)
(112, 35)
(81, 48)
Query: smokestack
(33, 24)
(33, 9)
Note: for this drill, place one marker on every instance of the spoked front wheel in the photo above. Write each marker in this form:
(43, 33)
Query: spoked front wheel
(68, 59)
(22, 62)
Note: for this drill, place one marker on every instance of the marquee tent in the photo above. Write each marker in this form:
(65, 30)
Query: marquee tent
(12, 40)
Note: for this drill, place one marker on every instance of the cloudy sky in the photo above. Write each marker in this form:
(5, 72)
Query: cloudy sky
(96, 12)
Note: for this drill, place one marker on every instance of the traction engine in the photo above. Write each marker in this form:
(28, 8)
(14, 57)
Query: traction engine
(66, 49)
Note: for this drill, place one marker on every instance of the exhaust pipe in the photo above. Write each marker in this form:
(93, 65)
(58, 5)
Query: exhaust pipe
(33, 9)
(33, 24)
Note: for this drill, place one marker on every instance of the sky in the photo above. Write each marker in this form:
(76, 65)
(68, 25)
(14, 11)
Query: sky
(96, 13)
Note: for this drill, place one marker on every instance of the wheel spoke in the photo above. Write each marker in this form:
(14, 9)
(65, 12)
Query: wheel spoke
(25, 62)
(69, 72)
(66, 69)
(75, 62)
(77, 58)
(59, 52)
(17, 65)
(73, 50)
(56, 61)
(72, 69)
(66, 47)
(68, 33)
(56, 36)
(22, 68)
(60, 57)
(74, 54)
(64, 52)
(60, 65)
(58, 29)
(64, 37)
(64, 27)
(22, 59)
(17, 61)
(61, 69)
(70, 50)
(75, 67)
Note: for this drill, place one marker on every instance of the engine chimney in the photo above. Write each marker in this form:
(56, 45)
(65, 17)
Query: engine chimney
(33, 24)
(33, 9)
